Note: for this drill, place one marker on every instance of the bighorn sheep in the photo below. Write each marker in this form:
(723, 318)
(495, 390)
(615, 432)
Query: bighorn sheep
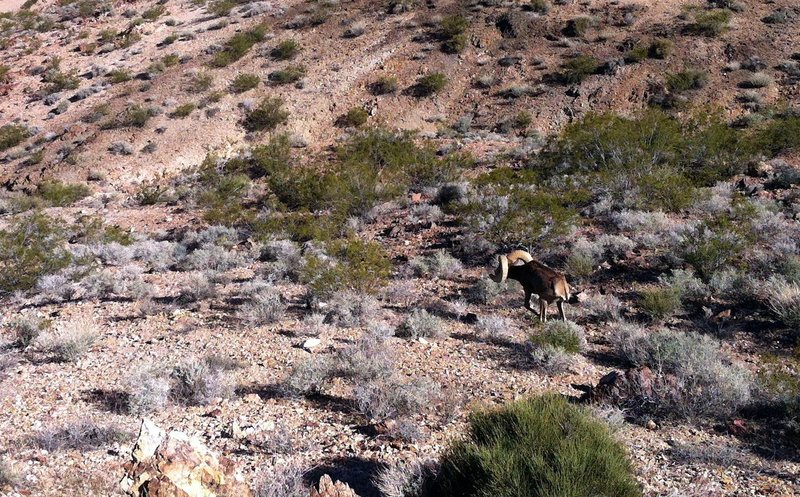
(547, 283)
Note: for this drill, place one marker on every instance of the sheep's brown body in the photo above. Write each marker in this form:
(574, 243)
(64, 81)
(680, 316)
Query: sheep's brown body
(536, 278)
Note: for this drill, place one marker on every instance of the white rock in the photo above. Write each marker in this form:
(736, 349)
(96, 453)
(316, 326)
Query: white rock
(311, 344)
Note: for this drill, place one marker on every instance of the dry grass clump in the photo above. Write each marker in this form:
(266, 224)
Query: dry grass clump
(784, 302)
(265, 305)
(440, 264)
(83, 436)
(68, 341)
(421, 324)
(198, 382)
(147, 390)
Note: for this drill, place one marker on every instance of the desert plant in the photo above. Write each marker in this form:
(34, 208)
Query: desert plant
(119, 76)
(686, 80)
(68, 341)
(32, 249)
(565, 335)
(265, 305)
(357, 265)
(134, 116)
(238, 45)
(550, 359)
(538, 6)
(286, 50)
(703, 383)
(60, 194)
(544, 440)
(440, 264)
(659, 48)
(710, 23)
(196, 382)
(384, 85)
(289, 74)
(244, 82)
(577, 26)
(430, 84)
(576, 69)
(784, 301)
(405, 478)
(83, 435)
(267, 116)
(452, 32)
(26, 329)
(12, 135)
(660, 302)
(356, 116)
(183, 110)
(420, 324)
(757, 80)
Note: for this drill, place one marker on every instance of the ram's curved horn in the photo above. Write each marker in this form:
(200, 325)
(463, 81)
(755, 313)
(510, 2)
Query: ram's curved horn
(501, 273)
(519, 255)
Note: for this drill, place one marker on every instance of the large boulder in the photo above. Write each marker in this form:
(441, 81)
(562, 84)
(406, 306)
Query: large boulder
(176, 465)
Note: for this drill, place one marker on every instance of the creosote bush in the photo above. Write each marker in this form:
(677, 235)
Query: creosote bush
(575, 70)
(355, 117)
(33, 248)
(384, 85)
(287, 75)
(12, 135)
(430, 84)
(544, 440)
(238, 45)
(60, 194)
(244, 82)
(286, 50)
(710, 23)
(267, 116)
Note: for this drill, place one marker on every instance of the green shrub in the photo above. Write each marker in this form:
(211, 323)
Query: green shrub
(711, 23)
(199, 82)
(223, 199)
(356, 116)
(154, 12)
(59, 194)
(135, 116)
(12, 135)
(119, 76)
(171, 60)
(539, 447)
(359, 266)
(577, 26)
(244, 82)
(714, 245)
(661, 302)
(430, 84)
(183, 110)
(778, 136)
(286, 50)
(538, 6)
(5, 73)
(221, 8)
(577, 68)
(564, 335)
(267, 116)
(239, 44)
(289, 74)
(57, 80)
(659, 49)
(33, 247)
(384, 85)
(636, 54)
(452, 32)
(686, 80)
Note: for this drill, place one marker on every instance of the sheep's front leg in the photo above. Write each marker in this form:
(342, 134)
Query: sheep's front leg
(542, 311)
(561, 312)
(528, 302)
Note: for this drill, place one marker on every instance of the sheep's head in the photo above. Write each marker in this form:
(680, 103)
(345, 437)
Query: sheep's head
(501, 273)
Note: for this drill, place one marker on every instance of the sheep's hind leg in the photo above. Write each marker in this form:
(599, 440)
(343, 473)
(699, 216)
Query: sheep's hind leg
(561, 312)
(542, 311)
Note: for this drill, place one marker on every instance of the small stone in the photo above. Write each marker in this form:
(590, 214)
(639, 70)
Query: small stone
(651, 425)
(311, 344)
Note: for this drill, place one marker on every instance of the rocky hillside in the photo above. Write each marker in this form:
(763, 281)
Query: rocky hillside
(270, 226)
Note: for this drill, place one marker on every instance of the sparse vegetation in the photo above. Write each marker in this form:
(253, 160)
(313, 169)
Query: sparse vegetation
(12, 135)
(576, 69)
(356, 116)
(286, 50)
(544, 440)
(564, 335)
(430, 84)
(384, 85)
(267, 116)
(59, 194)
(238, 45)
(33, 248)
(687, 80)
(244, 82)
(710, 23)
(183, 110)
(287, 75)
(661, 302)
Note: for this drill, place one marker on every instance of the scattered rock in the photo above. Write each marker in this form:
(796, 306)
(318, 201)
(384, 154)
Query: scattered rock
(176, 465)
(328, 488)
(121, 148)
(311, 344)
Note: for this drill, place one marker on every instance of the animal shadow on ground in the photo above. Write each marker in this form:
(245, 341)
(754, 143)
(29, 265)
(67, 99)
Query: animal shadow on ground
(113, 401)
